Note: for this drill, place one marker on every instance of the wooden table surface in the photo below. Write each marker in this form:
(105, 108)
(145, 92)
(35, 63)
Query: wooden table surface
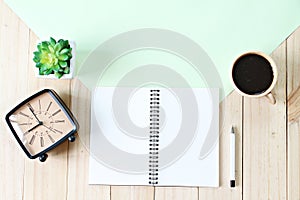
(267, 149)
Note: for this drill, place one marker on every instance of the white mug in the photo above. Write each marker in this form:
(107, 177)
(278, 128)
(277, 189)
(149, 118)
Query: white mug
(254, 74)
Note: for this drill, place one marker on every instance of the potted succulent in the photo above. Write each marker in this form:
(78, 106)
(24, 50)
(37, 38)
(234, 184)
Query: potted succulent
(55, 59)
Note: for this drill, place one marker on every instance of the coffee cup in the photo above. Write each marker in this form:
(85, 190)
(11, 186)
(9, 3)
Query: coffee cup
(254, 74)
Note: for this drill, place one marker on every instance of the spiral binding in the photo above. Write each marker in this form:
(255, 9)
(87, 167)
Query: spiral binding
(154, 137)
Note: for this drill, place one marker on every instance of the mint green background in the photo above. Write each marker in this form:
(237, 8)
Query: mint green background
(125, 64)
(224, 29)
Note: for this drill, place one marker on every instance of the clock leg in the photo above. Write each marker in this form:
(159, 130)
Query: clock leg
(71, 138)
(43, 157)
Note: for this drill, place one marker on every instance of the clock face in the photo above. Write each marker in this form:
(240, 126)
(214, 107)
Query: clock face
(41, 122)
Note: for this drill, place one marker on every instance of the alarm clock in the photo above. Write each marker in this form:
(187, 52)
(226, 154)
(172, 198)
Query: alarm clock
(40, 123)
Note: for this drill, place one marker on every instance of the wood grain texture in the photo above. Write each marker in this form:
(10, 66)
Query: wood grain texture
(231, 112)
(293, 61)
(132, 192)
(13, 33)
(293, 165)
(264, 140)
(267, 163)
(176, 193)
(294, 105)
(78, 158)
(293, 136)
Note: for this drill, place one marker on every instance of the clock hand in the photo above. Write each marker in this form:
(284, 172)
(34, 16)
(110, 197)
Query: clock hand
(31, 110)
(40, 123)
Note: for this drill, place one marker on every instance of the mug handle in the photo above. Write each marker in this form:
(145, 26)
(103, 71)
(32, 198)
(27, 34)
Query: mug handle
(271, 98)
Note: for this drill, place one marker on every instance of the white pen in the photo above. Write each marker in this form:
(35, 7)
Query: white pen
(232, 158)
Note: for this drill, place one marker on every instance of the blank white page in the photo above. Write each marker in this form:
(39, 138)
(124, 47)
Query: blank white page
(119, 140)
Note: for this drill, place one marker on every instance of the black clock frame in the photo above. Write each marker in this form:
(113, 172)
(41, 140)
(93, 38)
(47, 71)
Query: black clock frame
(70, 136)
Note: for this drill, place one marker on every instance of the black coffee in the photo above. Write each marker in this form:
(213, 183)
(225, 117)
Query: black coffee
(252, 74)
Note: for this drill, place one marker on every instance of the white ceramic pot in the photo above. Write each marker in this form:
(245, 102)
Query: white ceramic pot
(72, 66)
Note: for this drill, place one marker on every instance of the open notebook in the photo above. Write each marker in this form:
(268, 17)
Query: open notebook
(154, 136)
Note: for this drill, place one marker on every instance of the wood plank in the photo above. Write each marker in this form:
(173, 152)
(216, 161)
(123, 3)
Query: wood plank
(176, 193)
(78, 159)
(293, 174)
(294, 106)
(264, 140)
(231, 112)
(14, 37)
(46, 180)
(132, 192)
(293, 70)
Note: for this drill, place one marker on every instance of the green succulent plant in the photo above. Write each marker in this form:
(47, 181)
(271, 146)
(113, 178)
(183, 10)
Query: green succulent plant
(53, 57)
